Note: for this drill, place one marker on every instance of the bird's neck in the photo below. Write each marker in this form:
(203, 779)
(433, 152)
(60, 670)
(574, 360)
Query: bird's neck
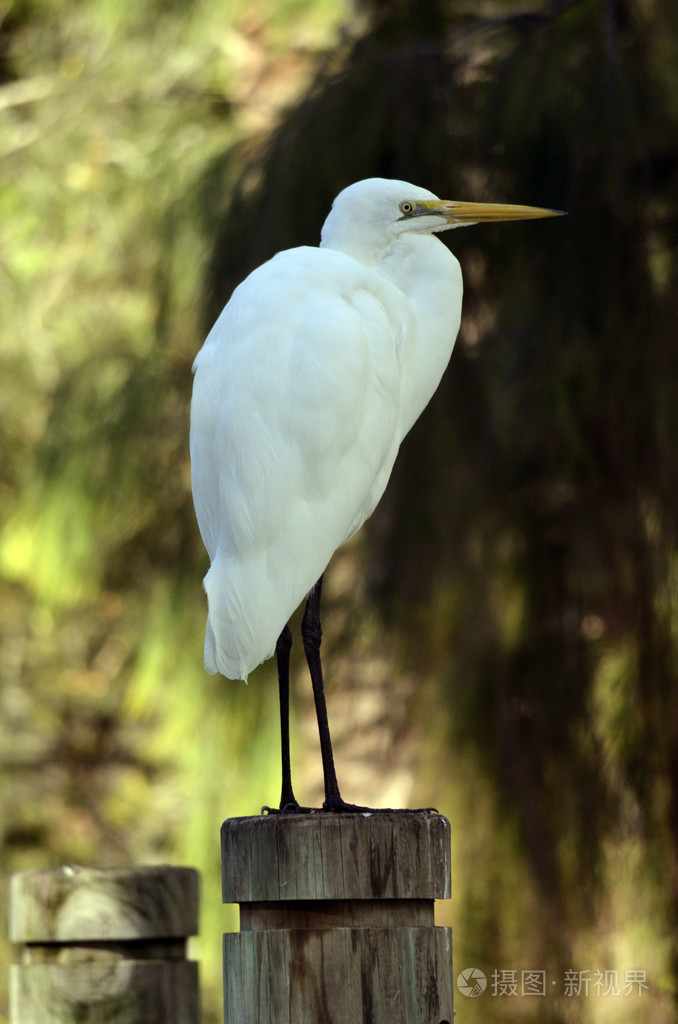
(429, 276)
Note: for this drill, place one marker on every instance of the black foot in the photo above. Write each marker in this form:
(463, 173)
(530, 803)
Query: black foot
(341, 807)
(334, 808)
(289, 808)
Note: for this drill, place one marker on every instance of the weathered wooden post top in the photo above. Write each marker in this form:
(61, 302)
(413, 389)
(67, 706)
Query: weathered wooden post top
(337, 919)
(101, 945)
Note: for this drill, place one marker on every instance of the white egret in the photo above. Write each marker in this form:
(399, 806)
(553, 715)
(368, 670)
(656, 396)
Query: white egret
(310, 379)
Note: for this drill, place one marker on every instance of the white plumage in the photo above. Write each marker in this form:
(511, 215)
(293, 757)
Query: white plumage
(304, 389)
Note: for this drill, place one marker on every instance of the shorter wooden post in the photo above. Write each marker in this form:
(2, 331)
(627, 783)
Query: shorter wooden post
(103, 945)
(337, 919)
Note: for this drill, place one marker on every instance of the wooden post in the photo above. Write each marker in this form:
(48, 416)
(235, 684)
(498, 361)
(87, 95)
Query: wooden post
(104, 945)
(336, 919)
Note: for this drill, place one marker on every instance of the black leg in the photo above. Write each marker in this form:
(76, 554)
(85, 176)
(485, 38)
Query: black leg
(311, 633)
(288, 801)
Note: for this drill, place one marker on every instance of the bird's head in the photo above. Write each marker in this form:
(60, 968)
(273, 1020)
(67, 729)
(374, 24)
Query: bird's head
(367, 216)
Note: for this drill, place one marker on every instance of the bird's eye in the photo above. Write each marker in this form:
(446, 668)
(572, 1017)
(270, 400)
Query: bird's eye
(407, 207)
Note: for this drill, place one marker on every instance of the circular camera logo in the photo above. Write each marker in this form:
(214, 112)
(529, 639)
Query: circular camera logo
(472, 982)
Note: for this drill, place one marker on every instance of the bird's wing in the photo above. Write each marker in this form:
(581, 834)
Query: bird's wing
(293, 436)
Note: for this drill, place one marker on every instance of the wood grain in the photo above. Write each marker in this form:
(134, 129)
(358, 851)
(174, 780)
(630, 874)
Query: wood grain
(384, 855)
(337, 919)
(96, 946)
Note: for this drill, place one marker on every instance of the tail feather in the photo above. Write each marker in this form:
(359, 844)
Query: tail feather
(210, 655)
(233, 646)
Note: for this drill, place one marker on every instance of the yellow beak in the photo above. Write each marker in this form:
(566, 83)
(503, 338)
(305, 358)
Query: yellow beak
(477, 213)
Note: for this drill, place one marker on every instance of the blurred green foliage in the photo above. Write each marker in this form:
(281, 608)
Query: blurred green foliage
(523, 562)
(115, 746)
